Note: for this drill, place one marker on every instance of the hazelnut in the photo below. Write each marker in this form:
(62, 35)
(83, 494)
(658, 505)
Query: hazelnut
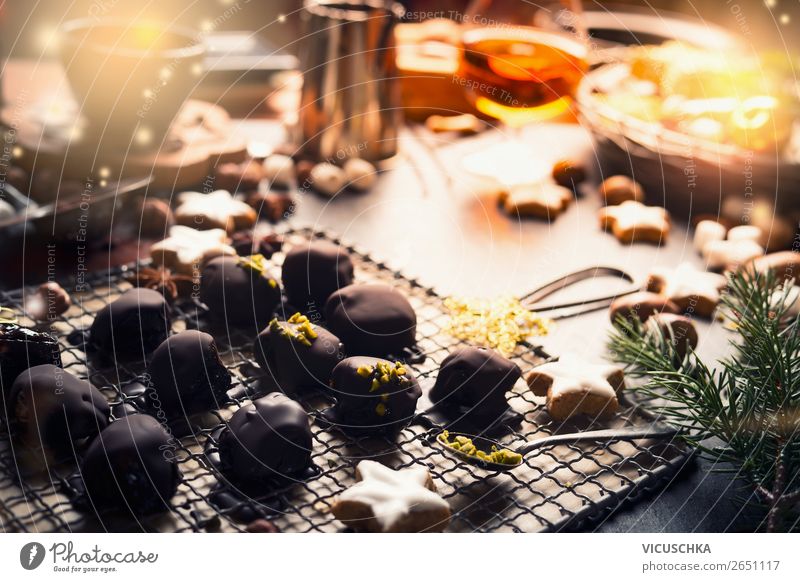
(568, 174)
(360, 174)
(618, 189)
(157, 218)
(279, 170)
(49, 301)
(238, 177)
(328, 179)
(274, 206)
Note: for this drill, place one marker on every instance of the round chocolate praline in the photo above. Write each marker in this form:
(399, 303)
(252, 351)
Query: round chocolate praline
(312, 272)
(267, 439)
(298, 354)
(131, 326)
(131, 467)
(374, 395)
(473, 382)
(240, 291)
(54, 411)
(20, 349)
(372, 320)
(186, 375)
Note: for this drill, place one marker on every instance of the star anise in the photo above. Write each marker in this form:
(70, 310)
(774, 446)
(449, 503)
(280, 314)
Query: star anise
(170, 285)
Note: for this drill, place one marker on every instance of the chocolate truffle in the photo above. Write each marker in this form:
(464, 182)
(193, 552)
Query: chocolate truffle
(374, 395)
(186, 375)
(371, 320)
(298, 354)
(267, 439)
(55, 411)
(240, 291)
(312, 272)
(22, 348)
(131, 467)
(133, 325)
(472, 382)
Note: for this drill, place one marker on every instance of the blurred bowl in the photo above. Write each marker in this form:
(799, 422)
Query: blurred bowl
(688, 175)
(129, 79)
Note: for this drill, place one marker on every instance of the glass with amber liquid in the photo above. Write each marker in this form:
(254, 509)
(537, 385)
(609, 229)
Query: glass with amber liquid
(521, 74)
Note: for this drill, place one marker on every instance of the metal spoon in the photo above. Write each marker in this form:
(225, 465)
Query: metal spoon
(644, 432)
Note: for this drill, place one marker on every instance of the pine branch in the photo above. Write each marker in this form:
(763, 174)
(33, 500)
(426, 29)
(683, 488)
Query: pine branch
(751, 402)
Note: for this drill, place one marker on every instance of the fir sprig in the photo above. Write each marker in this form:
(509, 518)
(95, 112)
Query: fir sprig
(750, 402)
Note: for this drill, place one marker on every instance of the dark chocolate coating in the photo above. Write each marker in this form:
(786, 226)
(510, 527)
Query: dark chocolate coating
(357, 401)
(268, 438)
(473, 383)
(293, 365)
(132, 326)
(20, 349)
(131, 467)
(239, 295)
(186, 375)
(55, 411)
(371, 320)
(312, 272)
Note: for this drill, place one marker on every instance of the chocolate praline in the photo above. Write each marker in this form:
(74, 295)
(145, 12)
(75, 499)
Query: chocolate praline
(374, 395)
(267, 439)
(472, 383)
(131, 326)
(298, 354)
(313, 271)
(240, 291)
(131, 467)
(186, 375)
(371, 320)
(22, 348)
(56, 412)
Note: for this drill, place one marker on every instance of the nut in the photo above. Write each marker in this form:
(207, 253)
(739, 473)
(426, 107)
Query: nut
(360, 174)
(280, 171)
(568, 173)
(49, 301)
(618, 189)
(328, 179)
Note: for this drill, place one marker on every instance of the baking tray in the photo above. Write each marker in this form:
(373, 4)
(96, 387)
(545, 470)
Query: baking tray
(564, 487)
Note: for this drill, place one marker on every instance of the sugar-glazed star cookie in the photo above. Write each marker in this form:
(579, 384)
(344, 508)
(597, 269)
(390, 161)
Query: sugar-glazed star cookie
(693, 291)
(217, 209)
(632, 221)
(385, 500)
(186, 250)
(543, 200)
(573, 386)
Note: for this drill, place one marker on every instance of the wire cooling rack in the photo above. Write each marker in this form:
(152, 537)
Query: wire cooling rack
(558, 487)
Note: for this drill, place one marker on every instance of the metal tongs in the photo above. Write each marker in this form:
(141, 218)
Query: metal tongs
(532, 301)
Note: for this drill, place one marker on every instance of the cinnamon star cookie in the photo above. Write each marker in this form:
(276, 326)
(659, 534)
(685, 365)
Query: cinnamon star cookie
(385, 500)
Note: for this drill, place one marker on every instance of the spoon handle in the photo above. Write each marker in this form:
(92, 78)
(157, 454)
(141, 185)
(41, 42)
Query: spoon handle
(600, 435)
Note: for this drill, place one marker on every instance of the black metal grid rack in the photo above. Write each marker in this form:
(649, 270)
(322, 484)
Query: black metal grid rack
(558, 487)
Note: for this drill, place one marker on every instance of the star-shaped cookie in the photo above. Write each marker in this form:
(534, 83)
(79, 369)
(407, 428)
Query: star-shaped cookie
(693, 291)
(385, 500)
(186, 250)
(542, 200)
(217, 209)
(573, 386)
(632, 221)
